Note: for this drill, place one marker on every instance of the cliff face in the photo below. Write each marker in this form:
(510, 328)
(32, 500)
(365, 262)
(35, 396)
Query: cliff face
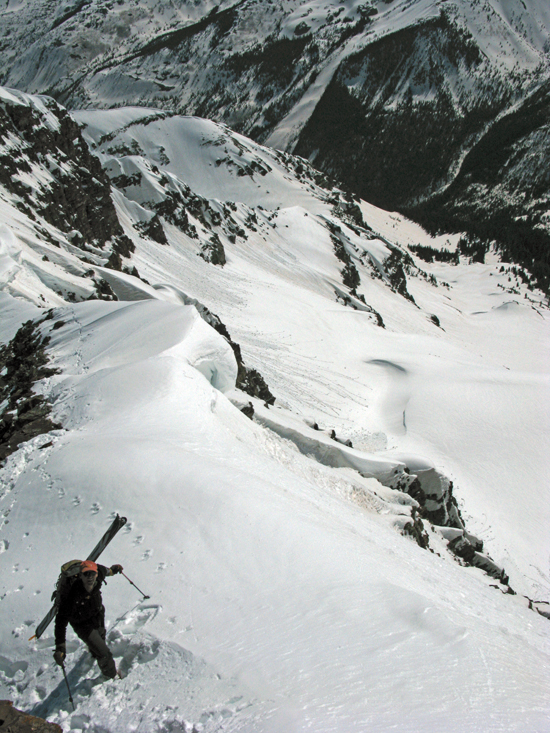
(47, 168)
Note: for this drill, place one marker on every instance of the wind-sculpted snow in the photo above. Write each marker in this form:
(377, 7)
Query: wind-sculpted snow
(113, 336)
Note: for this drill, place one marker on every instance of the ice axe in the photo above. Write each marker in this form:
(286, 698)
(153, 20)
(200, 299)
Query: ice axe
(135, 586)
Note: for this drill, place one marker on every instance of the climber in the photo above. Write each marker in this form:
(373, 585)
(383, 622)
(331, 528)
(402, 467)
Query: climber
(82, 607)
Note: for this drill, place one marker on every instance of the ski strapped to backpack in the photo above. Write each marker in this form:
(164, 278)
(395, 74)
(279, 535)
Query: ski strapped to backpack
(69, 572)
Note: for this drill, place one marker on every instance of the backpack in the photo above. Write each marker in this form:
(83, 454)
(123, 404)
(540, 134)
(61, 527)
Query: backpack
(69, 573)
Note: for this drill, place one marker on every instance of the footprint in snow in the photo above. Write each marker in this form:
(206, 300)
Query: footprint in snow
(77, 501)
(40, 693)
(81, 721)
(95, 508)
(139, 540)
(160, 567)
(12, 669)
(135, 653)
(146, 555)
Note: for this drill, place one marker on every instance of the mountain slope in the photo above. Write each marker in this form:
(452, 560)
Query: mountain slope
(288, 556)
(390, 98)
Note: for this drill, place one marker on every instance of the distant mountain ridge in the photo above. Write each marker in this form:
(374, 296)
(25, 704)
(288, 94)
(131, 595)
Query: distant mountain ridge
(434, 108)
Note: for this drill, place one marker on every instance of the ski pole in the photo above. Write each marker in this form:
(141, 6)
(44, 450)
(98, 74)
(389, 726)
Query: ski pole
(135, 586)
(67, 683)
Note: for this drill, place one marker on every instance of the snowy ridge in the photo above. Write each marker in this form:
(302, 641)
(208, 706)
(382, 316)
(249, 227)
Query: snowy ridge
(289, 588)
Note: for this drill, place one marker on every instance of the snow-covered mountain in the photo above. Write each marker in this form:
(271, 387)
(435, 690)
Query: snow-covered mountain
(328, 431)
(436, 108)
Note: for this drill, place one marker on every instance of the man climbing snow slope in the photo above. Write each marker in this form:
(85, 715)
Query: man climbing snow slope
(83, 608)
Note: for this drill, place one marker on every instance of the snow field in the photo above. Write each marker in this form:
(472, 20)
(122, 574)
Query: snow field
(283, 597)
(265, 585)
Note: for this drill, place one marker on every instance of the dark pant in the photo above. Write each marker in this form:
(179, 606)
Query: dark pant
(99, 650)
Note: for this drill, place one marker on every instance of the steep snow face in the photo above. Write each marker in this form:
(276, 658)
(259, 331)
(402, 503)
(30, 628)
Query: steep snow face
(283, 594)
(301, 256)
(280, 599)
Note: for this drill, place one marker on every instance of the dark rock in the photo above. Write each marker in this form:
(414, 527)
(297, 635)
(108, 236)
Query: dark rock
(248, 410)
(103, 290)
(462, 548)
(394, 267)
(13, 720)
(434, 494)
(213, 251)
(333, 436)
(125, 181)
(350, 274)
(541, 607)
(25, 414)
(415, 528)
(77, 199)
(255, 385)
(153, 229)
(415, 490)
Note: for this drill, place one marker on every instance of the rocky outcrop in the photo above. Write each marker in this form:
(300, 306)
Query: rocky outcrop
(13, 720)
(23, 362)
(48, 168)
(438, 506)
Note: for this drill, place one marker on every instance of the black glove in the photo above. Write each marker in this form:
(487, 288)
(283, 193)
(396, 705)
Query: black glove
(59, 654)
(116, 569)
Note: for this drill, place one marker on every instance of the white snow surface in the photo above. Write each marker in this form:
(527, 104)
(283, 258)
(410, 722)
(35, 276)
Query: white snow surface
(283, 597)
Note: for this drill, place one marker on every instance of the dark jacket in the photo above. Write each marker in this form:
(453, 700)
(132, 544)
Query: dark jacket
(84, 611)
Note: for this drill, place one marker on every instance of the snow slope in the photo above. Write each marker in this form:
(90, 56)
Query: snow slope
(275, 603)
(283, 595)
(276, 294)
